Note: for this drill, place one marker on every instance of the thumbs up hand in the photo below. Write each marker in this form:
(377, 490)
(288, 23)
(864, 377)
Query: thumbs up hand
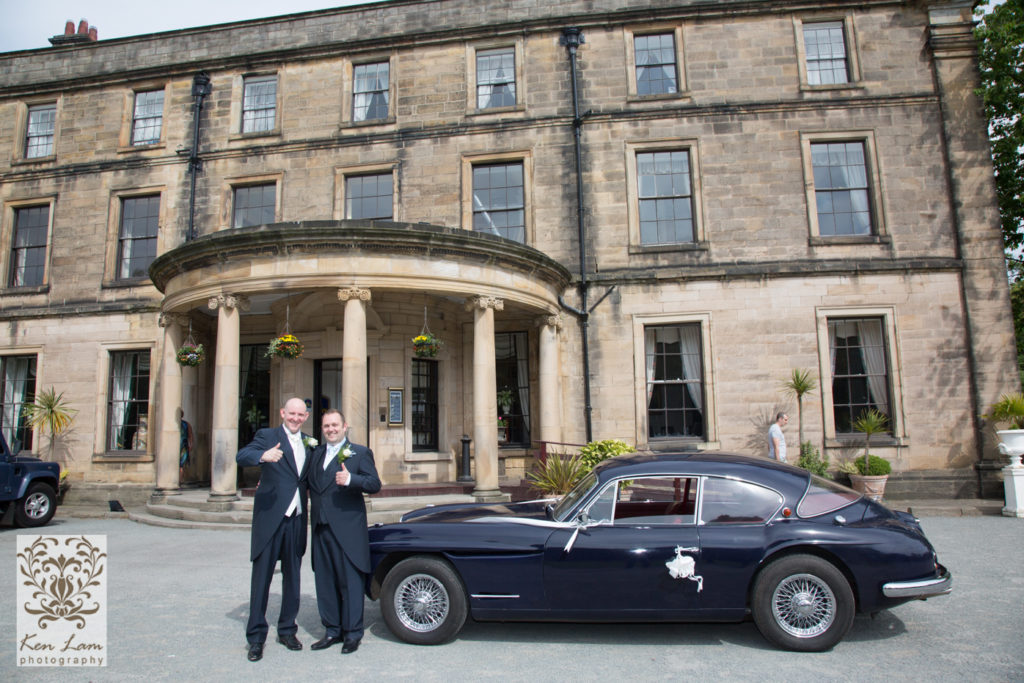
(343, 477)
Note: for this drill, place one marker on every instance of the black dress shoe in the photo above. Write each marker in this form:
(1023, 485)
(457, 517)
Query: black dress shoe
(255, 652)
(325, 642)
(290, 642)
(349, 647)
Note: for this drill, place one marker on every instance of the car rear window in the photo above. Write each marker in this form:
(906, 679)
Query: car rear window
(823, 496)
(728, 501)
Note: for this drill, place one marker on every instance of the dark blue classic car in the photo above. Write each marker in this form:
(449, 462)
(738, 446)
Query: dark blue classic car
(686, 537)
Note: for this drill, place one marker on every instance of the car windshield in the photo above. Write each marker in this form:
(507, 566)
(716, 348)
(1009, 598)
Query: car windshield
(823, 496)
(574, 496)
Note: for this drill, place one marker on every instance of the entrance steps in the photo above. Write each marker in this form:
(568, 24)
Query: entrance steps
(191, 508)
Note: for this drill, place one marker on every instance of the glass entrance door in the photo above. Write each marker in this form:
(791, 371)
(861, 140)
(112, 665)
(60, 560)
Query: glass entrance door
(326, 389)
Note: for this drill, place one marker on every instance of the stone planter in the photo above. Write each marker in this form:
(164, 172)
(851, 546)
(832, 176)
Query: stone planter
(871, 486)
(1012, 444)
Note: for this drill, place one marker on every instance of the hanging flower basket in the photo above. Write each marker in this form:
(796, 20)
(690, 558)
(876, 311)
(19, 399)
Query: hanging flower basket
(285, 346)
(426, 345)
(191, 355)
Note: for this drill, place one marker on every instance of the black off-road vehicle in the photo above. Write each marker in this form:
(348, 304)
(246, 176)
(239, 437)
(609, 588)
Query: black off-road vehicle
(29, 486)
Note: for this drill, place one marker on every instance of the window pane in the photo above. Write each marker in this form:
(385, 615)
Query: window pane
(370, 91)
(660, 500)
(825, 47)
(424, 405)
(666, 202)
(841, 188)
(727, 501)
(259, 104)
(369, 196)
(498, 200)
(512, 375)
(147, 117)
(17, 387)
(675, 381)
(496, 78)
(860, 375)
(136, 247)
(128, 401)
(655, 64)
(254, 205)
(39, 133)
(28, 248)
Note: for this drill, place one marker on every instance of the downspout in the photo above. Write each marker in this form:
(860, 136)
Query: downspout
(572, 38)
(200, 90)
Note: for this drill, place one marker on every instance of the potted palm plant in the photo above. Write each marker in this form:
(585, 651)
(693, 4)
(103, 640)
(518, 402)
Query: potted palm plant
(49, 413)
(872, 471)
(1009, 411)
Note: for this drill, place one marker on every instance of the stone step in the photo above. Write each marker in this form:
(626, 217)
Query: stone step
(407, 503)
(143, 516)
(169, 510)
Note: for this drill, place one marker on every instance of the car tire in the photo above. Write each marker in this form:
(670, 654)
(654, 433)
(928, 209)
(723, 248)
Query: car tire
(423, 601)
(803, 603)
(37, 507)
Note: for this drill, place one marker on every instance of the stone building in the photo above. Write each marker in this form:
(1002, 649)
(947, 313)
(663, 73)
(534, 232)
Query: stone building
(621, 219)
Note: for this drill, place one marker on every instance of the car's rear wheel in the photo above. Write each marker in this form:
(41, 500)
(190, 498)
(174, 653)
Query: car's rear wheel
(803, 603)
(37, 507)
(423, 601)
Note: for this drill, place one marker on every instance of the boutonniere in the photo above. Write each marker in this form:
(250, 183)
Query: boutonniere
(310, 442)
(344, 454)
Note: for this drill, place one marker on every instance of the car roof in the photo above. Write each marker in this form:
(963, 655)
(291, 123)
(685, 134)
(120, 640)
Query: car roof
(788, 479)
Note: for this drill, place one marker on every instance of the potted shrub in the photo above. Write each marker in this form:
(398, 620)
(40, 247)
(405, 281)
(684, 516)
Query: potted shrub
(1009, 411)
(872, 471)
(556, 475)
(49, 413)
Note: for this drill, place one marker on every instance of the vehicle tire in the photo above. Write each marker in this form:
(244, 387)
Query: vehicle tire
(803, 603)
(423, 601)
(37, 507)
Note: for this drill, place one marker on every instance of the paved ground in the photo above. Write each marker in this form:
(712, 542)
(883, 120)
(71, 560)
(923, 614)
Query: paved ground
(177, 604)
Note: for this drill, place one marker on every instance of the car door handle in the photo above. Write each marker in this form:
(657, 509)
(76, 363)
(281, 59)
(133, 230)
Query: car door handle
(687, 550)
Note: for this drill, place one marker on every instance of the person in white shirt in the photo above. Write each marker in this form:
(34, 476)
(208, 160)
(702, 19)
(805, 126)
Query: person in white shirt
(776, 439)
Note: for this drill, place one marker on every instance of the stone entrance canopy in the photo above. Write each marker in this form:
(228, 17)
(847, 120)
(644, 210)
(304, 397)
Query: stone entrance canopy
(366, 274)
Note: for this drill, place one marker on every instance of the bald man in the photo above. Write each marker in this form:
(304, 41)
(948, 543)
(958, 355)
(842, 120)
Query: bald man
(278, 523)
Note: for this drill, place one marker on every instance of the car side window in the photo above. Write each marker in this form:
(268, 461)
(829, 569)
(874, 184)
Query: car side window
(601, 509)
(728, 501)
(656, 500)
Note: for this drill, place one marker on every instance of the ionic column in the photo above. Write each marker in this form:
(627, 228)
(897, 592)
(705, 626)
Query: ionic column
(224, 432)
(353, 361)
(485, 408)
(168, 434)
(549, 379)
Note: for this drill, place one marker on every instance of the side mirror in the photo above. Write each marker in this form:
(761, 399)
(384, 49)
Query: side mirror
(583, 519)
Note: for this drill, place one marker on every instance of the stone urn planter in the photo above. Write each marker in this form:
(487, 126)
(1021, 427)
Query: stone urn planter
(1012, 445)
(872, 487)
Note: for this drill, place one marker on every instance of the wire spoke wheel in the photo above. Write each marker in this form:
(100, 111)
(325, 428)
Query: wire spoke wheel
(803, 605)
(421, 603)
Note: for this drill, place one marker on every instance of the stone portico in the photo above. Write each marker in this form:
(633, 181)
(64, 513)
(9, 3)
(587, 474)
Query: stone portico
(355, 290)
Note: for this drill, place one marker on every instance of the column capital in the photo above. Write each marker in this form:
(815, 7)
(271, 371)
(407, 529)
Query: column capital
(485, 302)
(168, 319)
(554, 320)
(239, 301)
(353, 292)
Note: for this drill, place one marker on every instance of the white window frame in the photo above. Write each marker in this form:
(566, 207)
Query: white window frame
(879, 232)
(632, 148)
(850, 39)
(628, 35)
(897, 418)
(347, 108)
(640, 323)
(471, 85)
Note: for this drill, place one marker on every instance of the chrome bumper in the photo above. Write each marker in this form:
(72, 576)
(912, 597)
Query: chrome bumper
(921, 589)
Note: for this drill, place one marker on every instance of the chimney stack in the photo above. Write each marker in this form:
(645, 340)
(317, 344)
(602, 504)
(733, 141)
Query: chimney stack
(85, 34)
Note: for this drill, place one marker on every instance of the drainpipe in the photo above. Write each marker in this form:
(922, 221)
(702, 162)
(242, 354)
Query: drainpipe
(572, 38)
(200, 90)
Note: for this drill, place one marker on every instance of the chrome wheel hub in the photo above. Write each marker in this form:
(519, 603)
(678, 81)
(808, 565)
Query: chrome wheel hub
(421, 603)
(803, 605)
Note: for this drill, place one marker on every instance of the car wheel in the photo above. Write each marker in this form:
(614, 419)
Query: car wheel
(37, 507)
(803, 603)
(423, 601)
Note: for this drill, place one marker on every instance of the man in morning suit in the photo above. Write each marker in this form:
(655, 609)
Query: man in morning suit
(340, 472)
(278, 524)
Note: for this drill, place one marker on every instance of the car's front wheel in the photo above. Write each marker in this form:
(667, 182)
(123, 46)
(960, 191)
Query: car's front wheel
(37, 507)
(803, 603)
(423, 601)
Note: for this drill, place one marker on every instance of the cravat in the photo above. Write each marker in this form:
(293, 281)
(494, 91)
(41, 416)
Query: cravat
(299, 452)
